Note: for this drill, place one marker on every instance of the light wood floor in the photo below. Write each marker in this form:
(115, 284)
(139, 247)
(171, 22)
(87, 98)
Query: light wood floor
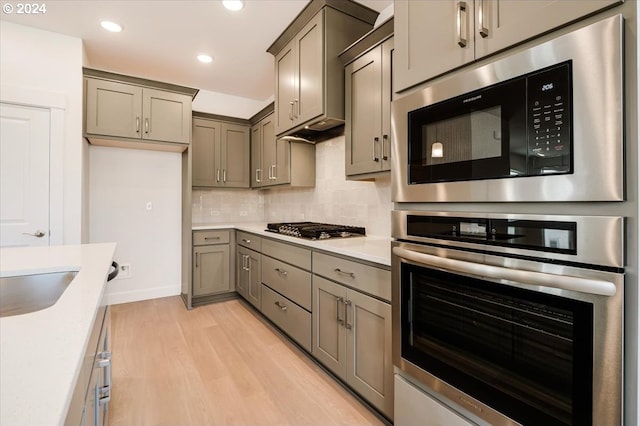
(218, 364)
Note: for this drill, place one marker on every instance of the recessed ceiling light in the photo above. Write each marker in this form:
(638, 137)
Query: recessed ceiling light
(111, 26)
(205, 59)
(233, 4)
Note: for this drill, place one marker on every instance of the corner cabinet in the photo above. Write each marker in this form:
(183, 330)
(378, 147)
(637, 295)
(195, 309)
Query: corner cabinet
(309, 76)
(221, 154)
(368, 106)
(130, 113)
(278, 162)
(459, 32)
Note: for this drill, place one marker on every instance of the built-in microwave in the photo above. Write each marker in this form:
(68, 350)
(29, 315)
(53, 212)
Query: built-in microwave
(542, 124)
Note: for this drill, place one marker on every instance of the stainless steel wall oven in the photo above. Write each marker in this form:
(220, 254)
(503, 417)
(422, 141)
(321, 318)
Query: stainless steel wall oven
(543, 124)
(516, 318)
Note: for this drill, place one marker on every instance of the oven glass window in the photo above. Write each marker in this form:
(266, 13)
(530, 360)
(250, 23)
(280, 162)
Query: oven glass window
(526, 354)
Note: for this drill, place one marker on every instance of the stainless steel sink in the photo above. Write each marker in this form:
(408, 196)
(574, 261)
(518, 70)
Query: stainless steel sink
(29, 293)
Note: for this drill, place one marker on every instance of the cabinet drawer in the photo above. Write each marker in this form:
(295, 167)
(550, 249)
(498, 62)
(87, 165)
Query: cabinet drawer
(291, 318)
(250, 241)
(287, 280)
(369, 279)
(201, 238)
(293, 255)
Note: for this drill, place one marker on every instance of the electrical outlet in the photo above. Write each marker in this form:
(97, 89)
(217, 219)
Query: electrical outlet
(125, 271)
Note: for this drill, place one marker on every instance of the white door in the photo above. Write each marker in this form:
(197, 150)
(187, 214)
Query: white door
(24, 175)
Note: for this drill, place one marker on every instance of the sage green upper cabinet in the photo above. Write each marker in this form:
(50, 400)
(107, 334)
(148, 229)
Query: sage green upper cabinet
(220, 154)
(277, 162)
(130, 115)
(309, 81)
(436, 36)
(368, 108)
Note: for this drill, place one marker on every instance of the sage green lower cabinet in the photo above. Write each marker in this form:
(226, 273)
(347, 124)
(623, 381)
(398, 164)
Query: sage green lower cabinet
(211, 263)
(249, 275)
(352, 337)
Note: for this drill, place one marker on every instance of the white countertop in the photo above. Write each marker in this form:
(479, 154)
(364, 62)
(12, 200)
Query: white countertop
(41, 352)
(371, 248)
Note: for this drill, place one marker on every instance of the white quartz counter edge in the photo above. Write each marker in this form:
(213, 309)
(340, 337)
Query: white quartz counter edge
(41, 353)
(371, 249)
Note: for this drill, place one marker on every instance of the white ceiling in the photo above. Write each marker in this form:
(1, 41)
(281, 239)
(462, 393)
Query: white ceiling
(161, 39)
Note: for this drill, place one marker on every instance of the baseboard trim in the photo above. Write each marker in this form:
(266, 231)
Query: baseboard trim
(116, 298)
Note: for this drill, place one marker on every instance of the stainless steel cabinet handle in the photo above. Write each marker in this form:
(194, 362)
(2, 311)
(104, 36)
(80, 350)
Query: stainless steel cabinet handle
(484, 31)
(339, 302)
(291, 110)
(211, 238)
(224, 175)
(296, 108)
(281, 271)
(258, 175)
(137, 124)
(385, 138)
(197, 259)
(275, 170)
(375, 142)
(282, 307)
(565, 282)
(462, 7)
(37, 234)
(146, 125)
(340, 271)
(246, 241)
(347, 304)
(217, 175)
(270, 172)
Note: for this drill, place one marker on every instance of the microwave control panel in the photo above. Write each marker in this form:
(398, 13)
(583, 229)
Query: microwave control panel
(549, 120)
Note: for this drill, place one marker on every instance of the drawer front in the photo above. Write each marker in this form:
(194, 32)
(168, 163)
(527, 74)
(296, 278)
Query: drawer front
(250, 241)
(287, 280)
(293, 255)
(201, 238)
(368, 279)
(291, 318)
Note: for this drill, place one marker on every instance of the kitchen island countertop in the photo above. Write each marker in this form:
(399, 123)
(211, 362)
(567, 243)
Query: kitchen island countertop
(370, 248)
(41, 353)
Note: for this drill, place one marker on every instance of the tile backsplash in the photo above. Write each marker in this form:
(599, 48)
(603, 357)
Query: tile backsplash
(333, 200)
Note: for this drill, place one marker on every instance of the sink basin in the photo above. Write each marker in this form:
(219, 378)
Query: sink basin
(30, 293)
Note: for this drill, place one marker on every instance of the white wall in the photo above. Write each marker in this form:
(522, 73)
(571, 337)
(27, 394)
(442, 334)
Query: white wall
(122, 182)
(333, 200)
(48, 62)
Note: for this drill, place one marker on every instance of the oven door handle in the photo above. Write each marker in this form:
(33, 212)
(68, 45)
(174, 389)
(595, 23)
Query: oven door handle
(564, 282)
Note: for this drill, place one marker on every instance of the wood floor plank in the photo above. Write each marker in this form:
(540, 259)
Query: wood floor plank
(218, 364)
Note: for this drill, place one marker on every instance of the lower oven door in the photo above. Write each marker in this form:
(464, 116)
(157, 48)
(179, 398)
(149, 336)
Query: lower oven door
(533, 344)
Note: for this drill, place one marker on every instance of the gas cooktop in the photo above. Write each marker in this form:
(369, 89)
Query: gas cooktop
(316, 231)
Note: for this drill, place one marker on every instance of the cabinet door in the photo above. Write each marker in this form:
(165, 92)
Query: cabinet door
(285, 91)
(363, 101)
(206, 152)
(235, 156)
(282, 169)
(387, 90)
(256, 155)
(309, 102)
(328, 325)
(369, 363)
(241, 271)
(429, 39)
(113, 109)
(167, 116)
(502, 23)
(254, 284)
(211, 270)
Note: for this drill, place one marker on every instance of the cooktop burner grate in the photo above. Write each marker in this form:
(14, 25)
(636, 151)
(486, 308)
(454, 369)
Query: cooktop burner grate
(316, 231)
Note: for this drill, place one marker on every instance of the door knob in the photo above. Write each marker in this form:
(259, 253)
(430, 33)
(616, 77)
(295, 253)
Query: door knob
(37, 234)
